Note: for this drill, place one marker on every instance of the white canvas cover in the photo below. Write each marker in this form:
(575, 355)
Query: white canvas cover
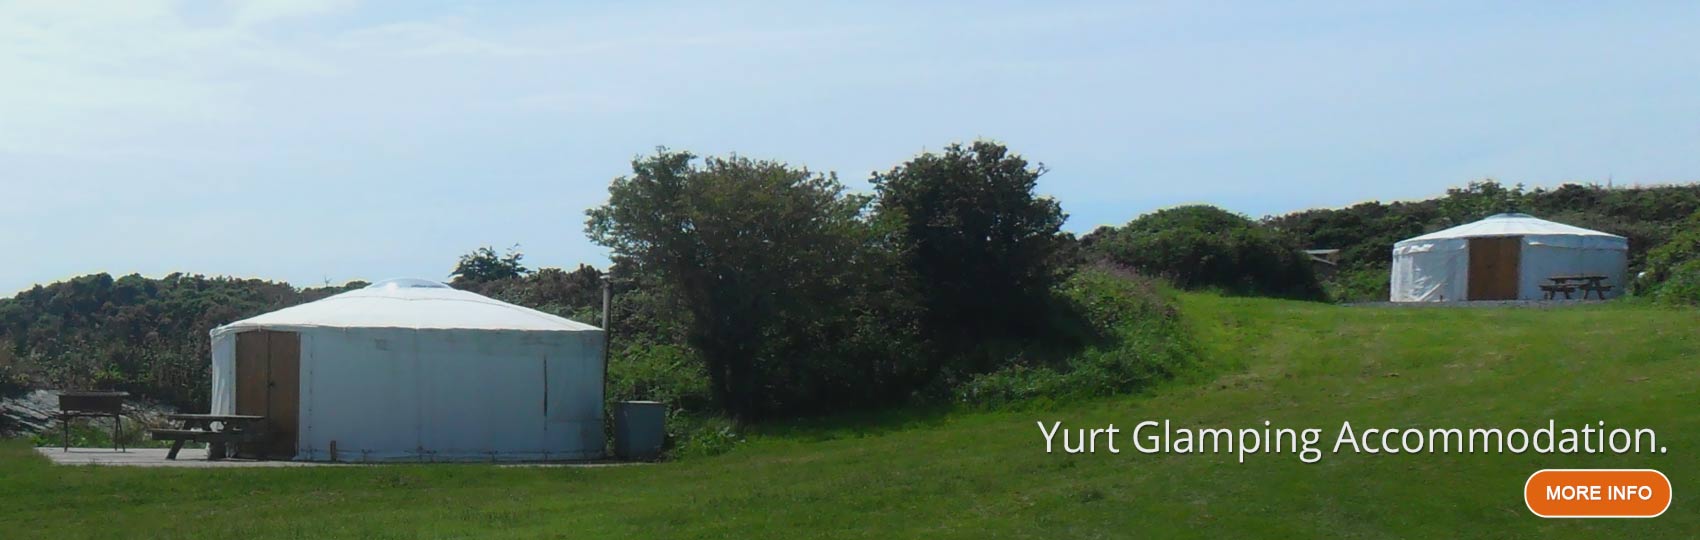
(1435, 267)
(414, 370)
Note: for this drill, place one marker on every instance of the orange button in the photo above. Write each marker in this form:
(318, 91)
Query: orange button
(1597, 493)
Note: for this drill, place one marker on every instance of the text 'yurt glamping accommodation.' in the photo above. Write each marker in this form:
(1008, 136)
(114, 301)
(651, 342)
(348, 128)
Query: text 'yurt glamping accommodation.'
(1503, 257)
(412, 369)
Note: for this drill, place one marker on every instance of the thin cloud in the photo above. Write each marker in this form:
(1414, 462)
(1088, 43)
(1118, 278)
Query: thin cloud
(431, 38)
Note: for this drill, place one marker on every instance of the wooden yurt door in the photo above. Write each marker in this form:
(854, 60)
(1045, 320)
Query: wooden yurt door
(268, 383)
(1494, 267)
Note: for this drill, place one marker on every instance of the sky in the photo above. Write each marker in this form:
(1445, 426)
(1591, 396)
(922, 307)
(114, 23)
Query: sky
(323, 141)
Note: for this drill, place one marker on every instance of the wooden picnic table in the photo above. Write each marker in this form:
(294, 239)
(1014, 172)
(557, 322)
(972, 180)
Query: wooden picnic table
(217, 430)
(1594, 283)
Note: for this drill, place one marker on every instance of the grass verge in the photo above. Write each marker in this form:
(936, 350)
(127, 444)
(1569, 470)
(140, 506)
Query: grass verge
(984, 474)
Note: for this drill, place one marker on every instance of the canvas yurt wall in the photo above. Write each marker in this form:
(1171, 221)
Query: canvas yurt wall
(1504, 257)
(414, 370)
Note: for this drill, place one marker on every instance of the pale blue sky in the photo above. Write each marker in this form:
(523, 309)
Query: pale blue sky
(308, 141)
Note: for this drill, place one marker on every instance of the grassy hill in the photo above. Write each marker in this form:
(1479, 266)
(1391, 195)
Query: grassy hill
(973, 475)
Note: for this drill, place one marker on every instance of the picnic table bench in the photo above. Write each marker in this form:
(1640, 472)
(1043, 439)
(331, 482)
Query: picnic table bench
(218, 431)
(1587, 283)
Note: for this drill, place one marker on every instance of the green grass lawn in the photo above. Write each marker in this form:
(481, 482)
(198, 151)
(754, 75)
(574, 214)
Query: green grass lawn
(974, 475)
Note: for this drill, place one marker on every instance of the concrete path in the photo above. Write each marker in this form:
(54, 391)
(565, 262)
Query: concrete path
(155, 457)
(197, 458)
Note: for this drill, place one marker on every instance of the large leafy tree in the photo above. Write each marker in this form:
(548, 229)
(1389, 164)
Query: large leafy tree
(765, 261)
(483, 265)
(1482, 199)
(983, 249)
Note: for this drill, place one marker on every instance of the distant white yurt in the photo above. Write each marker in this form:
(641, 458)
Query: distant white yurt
(412, 369)
(1503, 257)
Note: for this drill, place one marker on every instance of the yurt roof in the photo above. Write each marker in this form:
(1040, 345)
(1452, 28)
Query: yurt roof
(409, 303)
(1510, 225)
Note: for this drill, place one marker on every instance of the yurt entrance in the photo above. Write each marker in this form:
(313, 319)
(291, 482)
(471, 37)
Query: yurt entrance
(1493, 267)
(268, 383)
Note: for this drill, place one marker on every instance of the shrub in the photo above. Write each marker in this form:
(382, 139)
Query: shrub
(1142, 340)
(692, 435)
(12, 379)
(1682, 287)
(1204, 247)
(1359, 285)
(1672, 272)
(659, 372)
(576, 294)
(1682, 246)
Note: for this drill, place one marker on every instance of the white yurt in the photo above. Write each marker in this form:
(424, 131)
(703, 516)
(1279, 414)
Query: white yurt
(411, 369)
(1504, 257)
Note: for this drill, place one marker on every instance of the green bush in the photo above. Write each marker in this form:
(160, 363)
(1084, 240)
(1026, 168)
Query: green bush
(659, 372)
(693, 435)
(1682, 246)
(1672, 273)
(1204, 247)
(1143, 341)
(1359, 285)
(1682, 286)
(12, 377)
(576, 295)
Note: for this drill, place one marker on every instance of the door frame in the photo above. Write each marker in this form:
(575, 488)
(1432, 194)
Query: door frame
(1494, 271)
(268, 383)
